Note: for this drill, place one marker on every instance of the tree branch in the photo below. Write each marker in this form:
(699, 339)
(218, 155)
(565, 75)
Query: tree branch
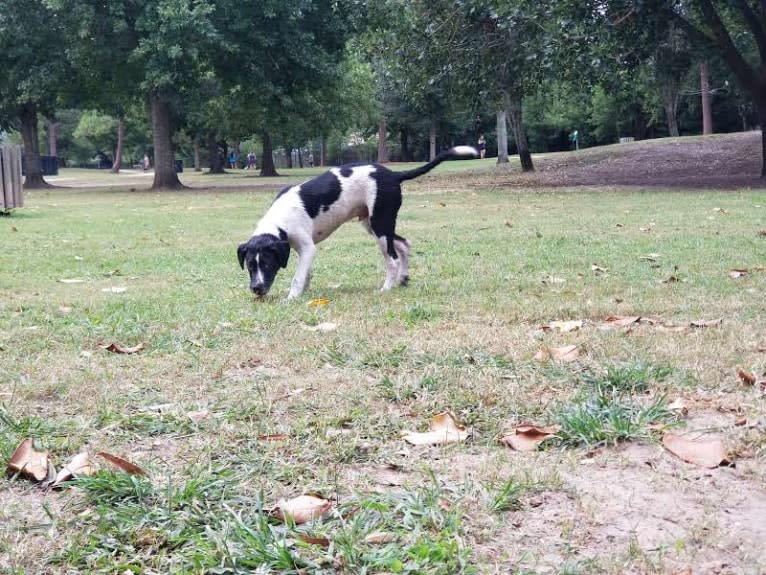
(755, 25)
(731, 54)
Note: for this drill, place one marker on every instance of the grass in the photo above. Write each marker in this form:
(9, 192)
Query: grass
(488, 267)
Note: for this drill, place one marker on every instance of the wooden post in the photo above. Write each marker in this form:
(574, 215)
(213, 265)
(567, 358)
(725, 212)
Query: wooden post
(11, 193)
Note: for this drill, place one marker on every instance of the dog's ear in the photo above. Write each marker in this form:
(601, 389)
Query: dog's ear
(283, 252)
(241, 252)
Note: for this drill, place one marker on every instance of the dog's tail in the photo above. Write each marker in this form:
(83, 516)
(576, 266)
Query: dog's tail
(456, 153)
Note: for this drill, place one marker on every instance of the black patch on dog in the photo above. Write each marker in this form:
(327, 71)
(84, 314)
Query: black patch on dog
(346, 171)
(387, 203)
(320, 193)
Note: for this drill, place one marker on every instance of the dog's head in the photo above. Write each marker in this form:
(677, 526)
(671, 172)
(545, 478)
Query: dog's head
(263, 255)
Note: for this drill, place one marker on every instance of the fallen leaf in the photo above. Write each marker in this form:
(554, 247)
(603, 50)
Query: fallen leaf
(622, 320)
(526, 437)
(734, 274)
(762, 233)
(720, 210)
(72, 281)
(115, 289)
(708, 453)
(78, 466)
(379, 538)
(746, 377)
(301, 509)
(644, 229)
(671, 280)
(318, 302)
(197, 416)
(444, 428)
(651, 257)
(27, 461)
(707, 322)
(553, 280)
(323, 327)
(313, 540)
(597, 269)
(678, 405)
(122, 464)
(509, 224)
(117, 348)
(564, 354)
(619, 225)
(565, 326)
(273, 437)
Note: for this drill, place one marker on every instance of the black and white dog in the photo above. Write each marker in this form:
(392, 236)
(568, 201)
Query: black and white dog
(302, 216)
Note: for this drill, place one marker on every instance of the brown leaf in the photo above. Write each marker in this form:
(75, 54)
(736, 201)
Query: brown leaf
(564, 354)
(197, 416)
(526, 437)
(597, 269)
(444, 428)
(29, 462)
(671, 279)
(379, 538)
(622, 320)
(118, 348)
(720, 210)
(78, 466)
(679, 405)
(708, 453)
(301, 509)
(122, 464)
(734, 274)
(564, 326)
(274, 437)
(762, 233)
(313, 540)
(746, 377)
(707, 322)
(318, 302)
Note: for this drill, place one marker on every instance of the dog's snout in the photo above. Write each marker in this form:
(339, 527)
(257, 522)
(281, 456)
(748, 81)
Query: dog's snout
(258, 289)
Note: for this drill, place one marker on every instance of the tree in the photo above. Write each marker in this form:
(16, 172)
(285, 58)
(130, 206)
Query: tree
(34, 70)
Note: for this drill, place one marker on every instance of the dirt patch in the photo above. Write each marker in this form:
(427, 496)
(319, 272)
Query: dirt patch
(718, 161)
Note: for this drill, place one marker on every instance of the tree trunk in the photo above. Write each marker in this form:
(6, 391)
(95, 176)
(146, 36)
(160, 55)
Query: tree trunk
(300, 157)
(213, 155)
(53, 147)
(267, 161)
(382, 142)
(34, 174)
(502, 138)
(432, 140)
(323, 152)
(197, 166)
(117, 165)
(514, 115)
(670, 103)
(404, 141)
(289, 156)
(707, 107)
(165, 177)
(761, 108)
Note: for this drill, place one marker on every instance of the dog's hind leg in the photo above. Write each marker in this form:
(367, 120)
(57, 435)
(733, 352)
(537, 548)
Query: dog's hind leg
(403, 246)
(393, 263)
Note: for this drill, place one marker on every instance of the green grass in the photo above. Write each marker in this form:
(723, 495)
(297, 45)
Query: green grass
(457, 339)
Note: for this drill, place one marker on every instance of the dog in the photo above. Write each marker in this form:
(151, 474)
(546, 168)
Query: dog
(302, 216)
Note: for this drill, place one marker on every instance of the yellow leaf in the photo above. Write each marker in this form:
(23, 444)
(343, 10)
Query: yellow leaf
(319, 302)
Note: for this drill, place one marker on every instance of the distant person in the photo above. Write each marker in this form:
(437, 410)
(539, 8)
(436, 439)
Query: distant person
(574, 140)
(311, 160)
(147, 163)
(482, 146)
(251, 161)
(233, 160)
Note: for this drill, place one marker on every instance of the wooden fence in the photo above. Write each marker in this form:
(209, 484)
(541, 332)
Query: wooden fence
(11, 194)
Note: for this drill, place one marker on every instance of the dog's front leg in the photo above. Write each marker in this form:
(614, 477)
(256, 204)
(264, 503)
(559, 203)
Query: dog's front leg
(306, 252)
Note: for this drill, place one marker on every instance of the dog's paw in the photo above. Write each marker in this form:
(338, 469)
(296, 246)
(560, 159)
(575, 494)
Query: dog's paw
(404, 281)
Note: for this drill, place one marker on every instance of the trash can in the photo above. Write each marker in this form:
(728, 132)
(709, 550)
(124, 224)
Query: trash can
(49, 165)
(179, 166)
